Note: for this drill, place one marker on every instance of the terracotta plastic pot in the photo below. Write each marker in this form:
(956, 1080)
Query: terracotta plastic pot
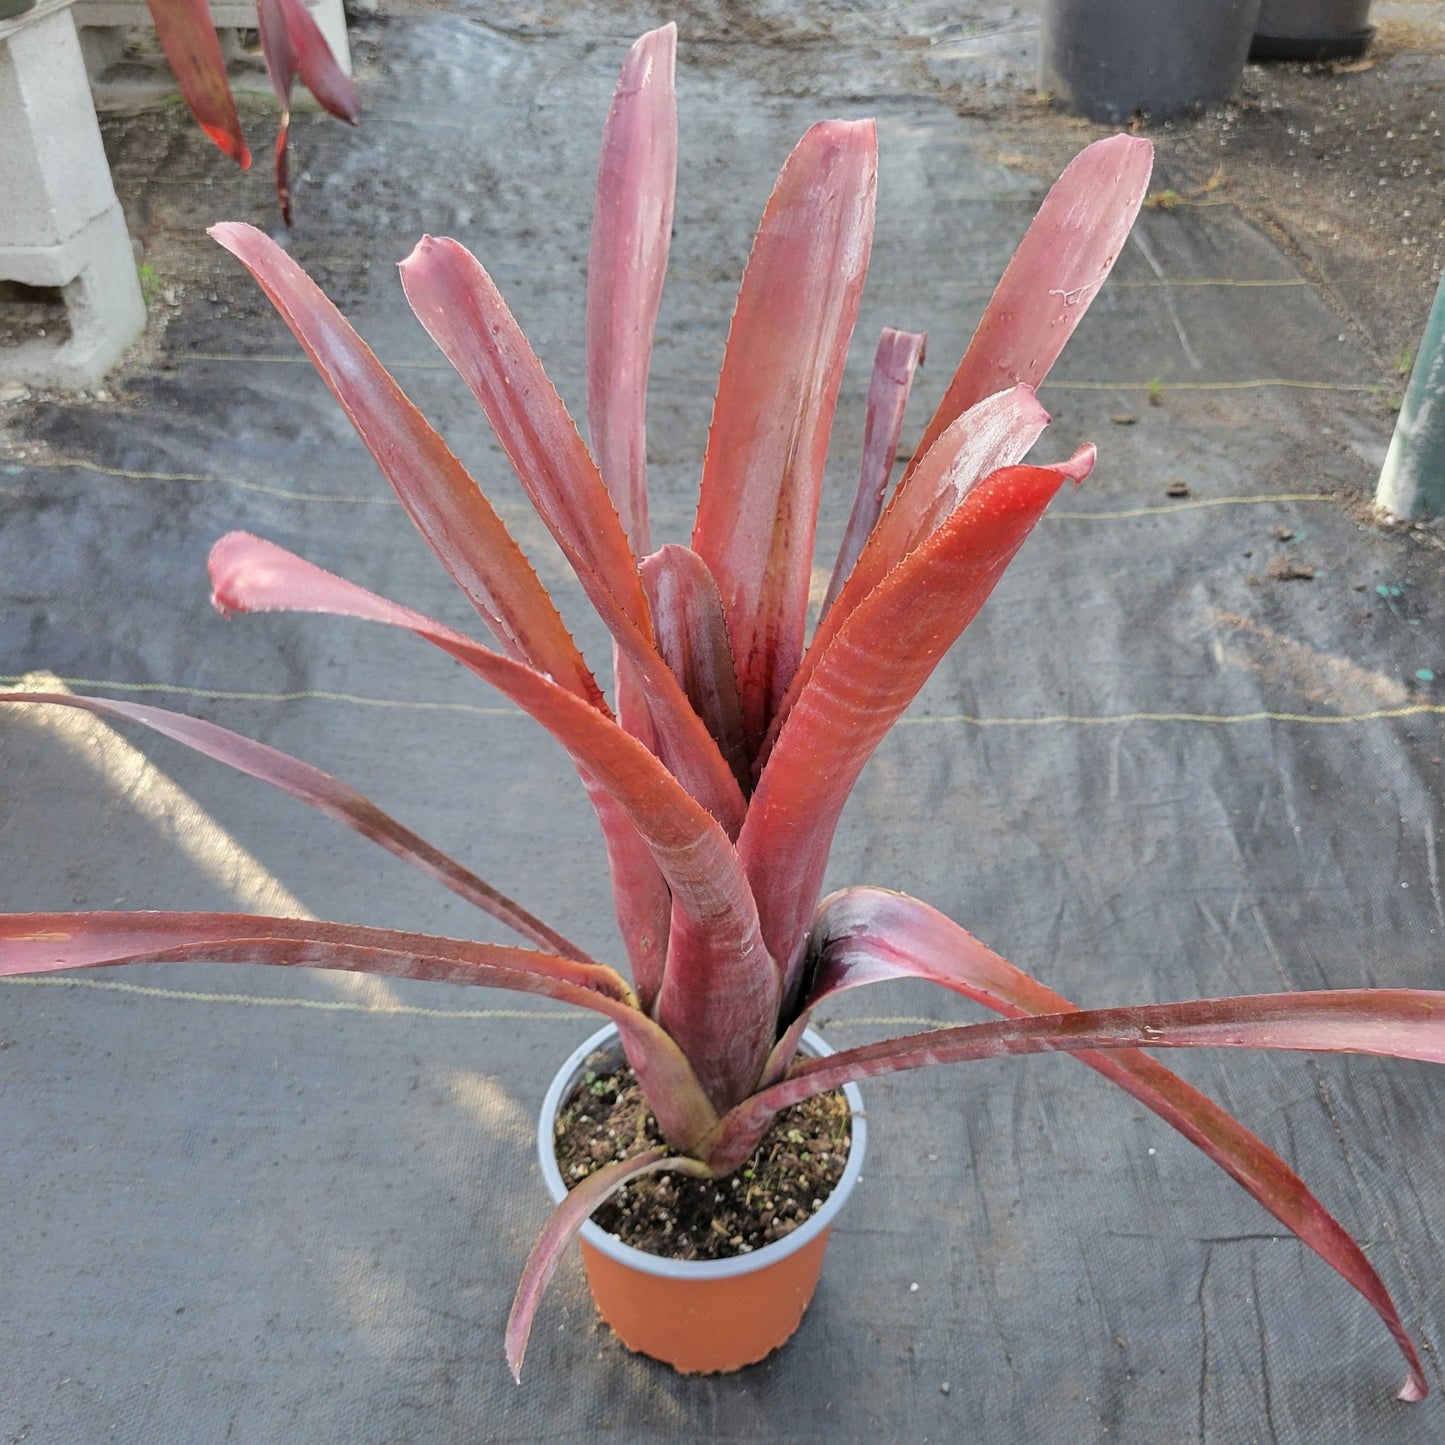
(701, 1317)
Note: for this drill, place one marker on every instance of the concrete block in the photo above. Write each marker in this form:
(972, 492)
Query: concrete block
(53, 172)
(61, 227)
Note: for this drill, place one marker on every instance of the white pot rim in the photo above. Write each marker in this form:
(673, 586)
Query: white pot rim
(700, 1269)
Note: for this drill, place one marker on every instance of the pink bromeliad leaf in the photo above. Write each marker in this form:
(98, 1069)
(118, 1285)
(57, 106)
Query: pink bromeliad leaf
(293, 46)
(465, 315)
(631, 232)
(1062, 261)
(50, 942)
(1393, 1023)
(692, 635)
(868, 935)
(868, 674)
(447, 506)
(899, 355)
(187, 35)
(723, 984)
(471, 542)
(323, 792)
(995, 433)
(563, 1226)
(781, 371)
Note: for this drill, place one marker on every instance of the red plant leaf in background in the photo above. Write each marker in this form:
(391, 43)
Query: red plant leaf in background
(692, 636)
(443, 501)
(563, 1226)
(293, 45)
(899, 355)
(1057, 270)
(631, 232)
(319, 69)
(781, 371)
(868, 935)
(859, 687)
(49, 942)
(187, 35)
(465, 315)
(723, 984)
(325, 793)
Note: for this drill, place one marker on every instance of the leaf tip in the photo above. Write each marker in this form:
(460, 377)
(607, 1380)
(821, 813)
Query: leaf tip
(1414, 1389)
(1078, 466)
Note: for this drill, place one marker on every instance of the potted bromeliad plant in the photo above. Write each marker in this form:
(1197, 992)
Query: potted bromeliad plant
(721, 765)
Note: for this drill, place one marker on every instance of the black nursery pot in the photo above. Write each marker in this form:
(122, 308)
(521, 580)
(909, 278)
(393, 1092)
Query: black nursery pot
(1311, 29)
(1112, 60)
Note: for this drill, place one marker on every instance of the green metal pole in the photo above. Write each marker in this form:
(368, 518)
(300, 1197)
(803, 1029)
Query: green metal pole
(1412, 484)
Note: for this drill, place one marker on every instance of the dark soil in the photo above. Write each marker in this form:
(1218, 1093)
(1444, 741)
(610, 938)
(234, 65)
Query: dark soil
(787, 1179)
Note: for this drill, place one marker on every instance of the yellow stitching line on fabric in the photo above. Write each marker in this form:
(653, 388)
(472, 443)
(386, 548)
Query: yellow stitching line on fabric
(558, 1015)
(1275, 499)
(1114, 719)
(270, 357)
(306, 695)
(1050, 720)
(1056, 515)
(66, 464)
(1172, 282)
(182, 995)
(1168, 386)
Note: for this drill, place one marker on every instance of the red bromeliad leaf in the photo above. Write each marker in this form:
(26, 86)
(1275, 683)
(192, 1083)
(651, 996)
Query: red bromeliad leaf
(563, 1226)
(445, 503)
(1062, 261)
(325, 793)
(1394, 1023)
(631, 231)
(866, 935)
(252, 575)
(318, 68)
(692, 635)
(293, 45)
(187, 35)
(465, 315)
(50, 942)
(996, 433)
(871, 671)
(781, 371)
(716, 959)
(899, 355)
(641, 899)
